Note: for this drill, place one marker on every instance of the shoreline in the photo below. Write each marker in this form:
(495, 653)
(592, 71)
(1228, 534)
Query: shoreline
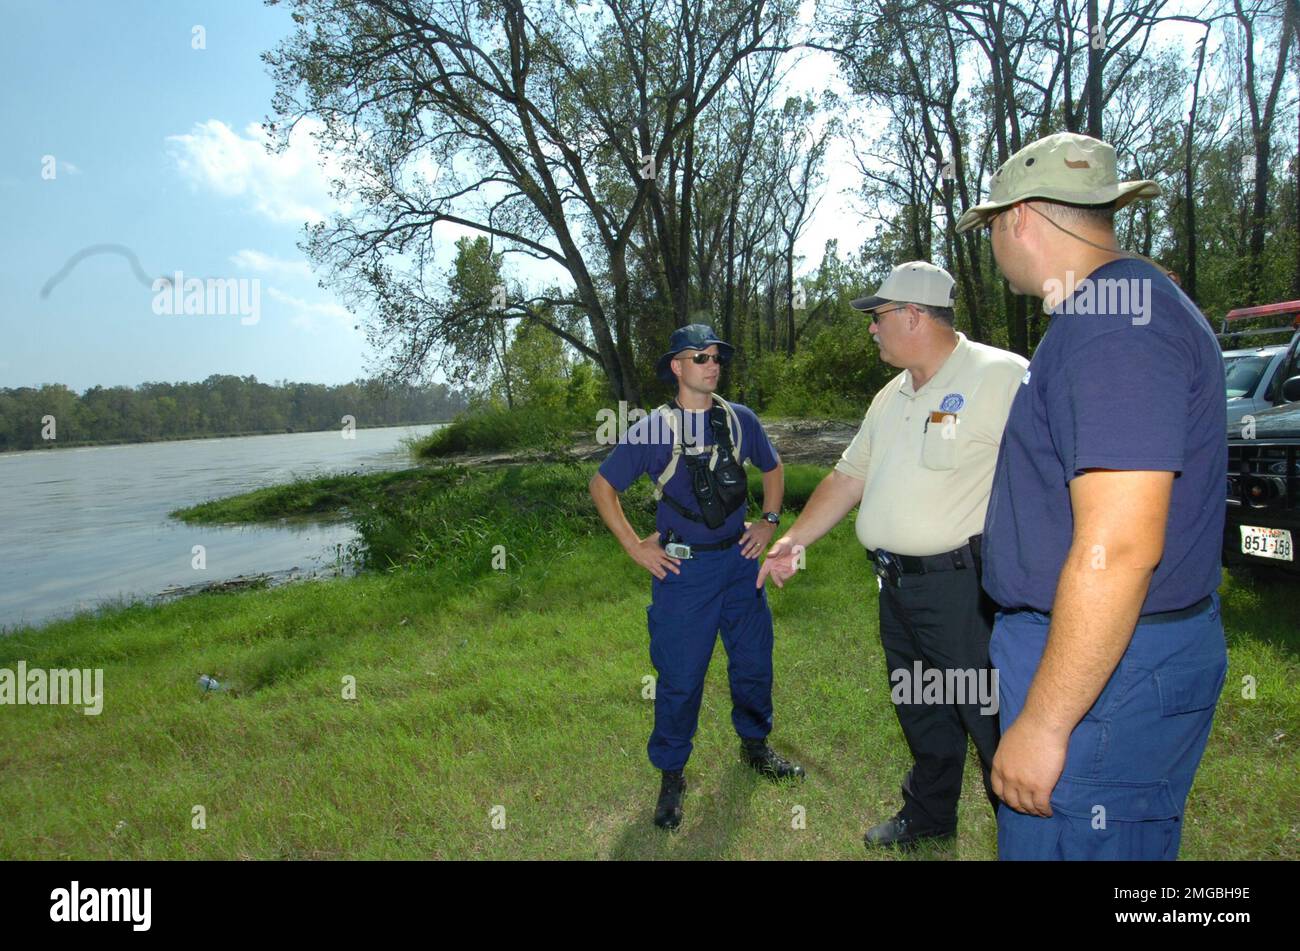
(57, 444)
(338, 498)
(808, 441)
(259, 581)
(798, 441)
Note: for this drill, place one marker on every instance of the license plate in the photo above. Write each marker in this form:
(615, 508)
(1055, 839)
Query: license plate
(1266, 542)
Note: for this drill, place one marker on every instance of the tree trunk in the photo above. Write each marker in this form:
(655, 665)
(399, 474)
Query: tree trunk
(1017, 323)
(1261, 129)
(789, 300)
(1096, 47)
(1189, 179)
(771, 305)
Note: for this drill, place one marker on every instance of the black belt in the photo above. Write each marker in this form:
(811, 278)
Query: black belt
(708, 546)
(967, 556)
(1161, 617)
(1166, 617)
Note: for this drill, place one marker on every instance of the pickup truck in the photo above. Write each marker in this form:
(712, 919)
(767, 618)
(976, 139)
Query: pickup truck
(1263, 516)
(1252, 379)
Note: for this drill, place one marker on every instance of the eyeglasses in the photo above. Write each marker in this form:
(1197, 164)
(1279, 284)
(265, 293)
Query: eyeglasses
(881, 313)
(699, 359)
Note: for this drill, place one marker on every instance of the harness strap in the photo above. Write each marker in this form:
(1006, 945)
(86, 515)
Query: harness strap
(680, 509)
(734, 430)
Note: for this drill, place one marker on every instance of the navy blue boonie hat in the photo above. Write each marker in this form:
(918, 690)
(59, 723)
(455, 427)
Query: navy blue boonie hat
(690, 337)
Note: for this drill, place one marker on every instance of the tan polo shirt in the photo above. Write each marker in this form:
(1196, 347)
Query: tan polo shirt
(927, 456)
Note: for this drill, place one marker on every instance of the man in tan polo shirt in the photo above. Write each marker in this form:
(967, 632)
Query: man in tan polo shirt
(920, 469)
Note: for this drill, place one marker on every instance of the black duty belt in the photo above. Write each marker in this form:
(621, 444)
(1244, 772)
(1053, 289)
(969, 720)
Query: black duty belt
(967, 556)
(707, 546)
(1166, 617)
(1162, 617)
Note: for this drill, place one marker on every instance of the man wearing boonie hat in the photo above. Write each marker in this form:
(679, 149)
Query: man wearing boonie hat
(1102, 542)
(703, 557)
(919, 470)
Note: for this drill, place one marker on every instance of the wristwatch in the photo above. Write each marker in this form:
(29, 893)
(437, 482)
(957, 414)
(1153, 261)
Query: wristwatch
(772, 518)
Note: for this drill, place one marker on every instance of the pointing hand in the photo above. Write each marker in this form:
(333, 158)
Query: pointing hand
(783, 560)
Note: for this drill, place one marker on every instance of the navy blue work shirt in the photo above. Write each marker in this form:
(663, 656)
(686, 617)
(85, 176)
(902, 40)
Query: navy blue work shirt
(647, 447)
(1128, 376)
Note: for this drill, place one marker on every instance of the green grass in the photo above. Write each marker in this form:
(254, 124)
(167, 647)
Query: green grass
(521, 688)
(328, 496)
(497, 429)
(427, 516)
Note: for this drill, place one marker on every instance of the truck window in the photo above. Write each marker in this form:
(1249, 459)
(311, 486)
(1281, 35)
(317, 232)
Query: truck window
(1290, 367)
(1243, 373)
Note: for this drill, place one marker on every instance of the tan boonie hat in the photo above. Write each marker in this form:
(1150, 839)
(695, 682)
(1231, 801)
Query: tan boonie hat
(1067, 167)
(916, 282)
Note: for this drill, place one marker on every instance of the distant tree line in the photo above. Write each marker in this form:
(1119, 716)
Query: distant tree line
(221, 405)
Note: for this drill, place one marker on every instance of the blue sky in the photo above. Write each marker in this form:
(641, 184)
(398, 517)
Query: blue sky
(154, 147)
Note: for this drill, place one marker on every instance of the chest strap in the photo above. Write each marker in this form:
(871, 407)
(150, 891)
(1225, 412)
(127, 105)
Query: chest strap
(676, 423)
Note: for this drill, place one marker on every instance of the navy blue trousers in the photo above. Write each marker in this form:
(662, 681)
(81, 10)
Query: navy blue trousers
(714, 594)
(1131, 759)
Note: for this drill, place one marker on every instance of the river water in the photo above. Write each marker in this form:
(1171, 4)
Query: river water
(84, 525)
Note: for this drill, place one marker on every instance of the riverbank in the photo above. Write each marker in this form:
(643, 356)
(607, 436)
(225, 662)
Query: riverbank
(817, 442)
(395, 714)
(93, 443)
(92, 526)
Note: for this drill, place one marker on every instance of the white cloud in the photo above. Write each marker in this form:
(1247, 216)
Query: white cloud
(288, 187)
(251, 260)
(305, 312)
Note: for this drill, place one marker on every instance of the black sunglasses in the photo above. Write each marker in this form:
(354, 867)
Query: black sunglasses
(699, 359)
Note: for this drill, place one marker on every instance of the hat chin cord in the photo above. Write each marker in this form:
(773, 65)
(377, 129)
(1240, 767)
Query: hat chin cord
(1078, 237)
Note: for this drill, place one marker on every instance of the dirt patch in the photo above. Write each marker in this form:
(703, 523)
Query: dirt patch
(811, 441)
(270, 579)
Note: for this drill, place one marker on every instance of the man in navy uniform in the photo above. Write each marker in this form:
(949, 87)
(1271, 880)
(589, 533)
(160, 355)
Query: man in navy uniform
(1102, 540)
(703, 557)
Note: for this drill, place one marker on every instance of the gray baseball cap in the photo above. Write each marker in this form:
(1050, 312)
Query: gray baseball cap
(1065, 167)
(916, 282)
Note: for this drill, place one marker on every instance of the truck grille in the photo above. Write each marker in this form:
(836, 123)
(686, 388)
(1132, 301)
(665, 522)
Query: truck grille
(1264, 476)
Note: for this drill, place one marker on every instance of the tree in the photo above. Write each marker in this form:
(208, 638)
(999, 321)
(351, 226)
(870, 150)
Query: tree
(559, 136)
(476, 335)
(1261, 93)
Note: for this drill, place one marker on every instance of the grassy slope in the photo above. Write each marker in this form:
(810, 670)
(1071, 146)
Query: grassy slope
(327, 496)
(522, 689)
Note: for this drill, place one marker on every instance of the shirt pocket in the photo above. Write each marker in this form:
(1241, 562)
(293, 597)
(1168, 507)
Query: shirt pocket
(939, 444)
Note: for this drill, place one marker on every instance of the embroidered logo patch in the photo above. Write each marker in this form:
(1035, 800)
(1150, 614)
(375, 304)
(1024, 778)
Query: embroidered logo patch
(952, 403)
(1024, 380)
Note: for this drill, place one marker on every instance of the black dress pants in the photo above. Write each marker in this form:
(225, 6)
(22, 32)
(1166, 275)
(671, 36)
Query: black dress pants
(943, 620)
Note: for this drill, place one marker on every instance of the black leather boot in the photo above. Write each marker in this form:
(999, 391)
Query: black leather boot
(901, 833)
(767, 761)
(668, 813)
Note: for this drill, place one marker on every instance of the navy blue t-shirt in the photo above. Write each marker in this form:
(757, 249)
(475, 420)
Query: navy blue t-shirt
(1128, 376)
(647, 447)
